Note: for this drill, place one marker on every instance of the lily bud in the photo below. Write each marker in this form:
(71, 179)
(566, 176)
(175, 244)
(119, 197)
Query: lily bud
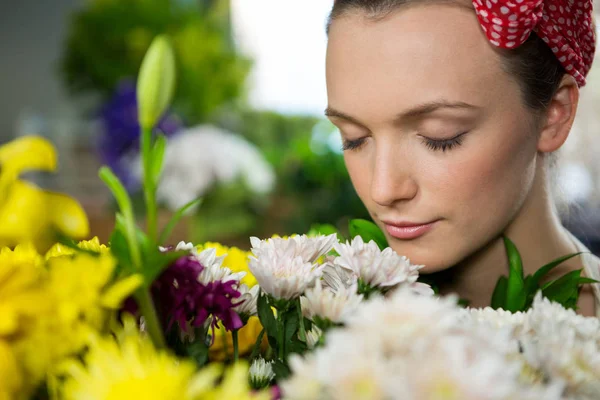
(156, 82)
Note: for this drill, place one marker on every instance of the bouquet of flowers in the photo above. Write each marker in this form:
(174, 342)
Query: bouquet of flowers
(310, 316)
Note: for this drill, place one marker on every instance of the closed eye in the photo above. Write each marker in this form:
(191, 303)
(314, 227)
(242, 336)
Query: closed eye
(353, 144)
(444, 144)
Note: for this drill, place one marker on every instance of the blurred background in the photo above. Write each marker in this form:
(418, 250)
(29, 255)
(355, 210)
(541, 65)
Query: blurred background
(246, 130)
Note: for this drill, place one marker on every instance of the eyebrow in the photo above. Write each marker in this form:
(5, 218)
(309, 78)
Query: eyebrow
(416, 112)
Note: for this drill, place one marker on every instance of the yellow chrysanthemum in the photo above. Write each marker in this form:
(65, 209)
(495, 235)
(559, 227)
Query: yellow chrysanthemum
(130, 367)
(28, 213)
(22, 294)
(81, 285)
(92, 245)
(236, 260)
(247, 337)
(11, 379)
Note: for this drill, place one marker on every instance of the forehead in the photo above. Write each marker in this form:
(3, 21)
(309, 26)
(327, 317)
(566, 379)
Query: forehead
(417, 54)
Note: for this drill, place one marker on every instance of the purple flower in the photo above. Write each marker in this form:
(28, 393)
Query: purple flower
(182, 299)
(119, 142)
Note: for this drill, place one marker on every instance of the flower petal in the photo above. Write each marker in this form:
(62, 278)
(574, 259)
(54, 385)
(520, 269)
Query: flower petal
(67, 215)
(113, 298)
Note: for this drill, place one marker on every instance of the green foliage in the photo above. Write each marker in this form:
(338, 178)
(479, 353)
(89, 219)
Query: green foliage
(107, 40)
(516, 292)
(368, 231)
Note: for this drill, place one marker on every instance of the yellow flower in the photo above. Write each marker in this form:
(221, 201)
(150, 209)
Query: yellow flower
(130, 367)
(83, 289)
(11, 379)
(28, 213)
(233, 386)
(22, 294)
(92, 245)
(247, 337)
(236, 260)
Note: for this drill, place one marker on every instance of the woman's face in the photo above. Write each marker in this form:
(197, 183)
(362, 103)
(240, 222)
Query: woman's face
(438, 143)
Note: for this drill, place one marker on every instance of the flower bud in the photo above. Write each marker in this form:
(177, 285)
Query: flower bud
(156, 82)
(261, 374)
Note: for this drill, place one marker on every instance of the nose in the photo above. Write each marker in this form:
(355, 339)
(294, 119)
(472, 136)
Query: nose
(392, 180)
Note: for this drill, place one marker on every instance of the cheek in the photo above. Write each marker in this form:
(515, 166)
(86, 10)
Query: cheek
(485, 188)
(360, 175)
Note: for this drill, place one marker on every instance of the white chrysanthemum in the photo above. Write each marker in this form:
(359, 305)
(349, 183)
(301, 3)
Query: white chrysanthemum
(261, 373)
(462, 367)
(347, 368)
(284, 268)
(336, 277)
(328, 304)
(494, 319)
(308, 248)
(564, 346)
(247, 301)
(313, 336)
(225, 158)
(213, 270)
(375, 267)
(404, 316)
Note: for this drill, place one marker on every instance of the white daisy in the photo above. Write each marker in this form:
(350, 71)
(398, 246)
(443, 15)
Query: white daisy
(328, 304)
(374, 267)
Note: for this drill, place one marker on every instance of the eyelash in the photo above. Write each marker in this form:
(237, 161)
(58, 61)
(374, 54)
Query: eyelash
(446, 144)
(434, 145)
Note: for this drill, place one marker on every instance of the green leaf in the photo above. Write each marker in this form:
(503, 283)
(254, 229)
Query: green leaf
(291, 324)
(583, 280)
(563, 289)
(198, 351)
(515, 290)
(257, 344)
(158, 154)
(267, 319)
(166, 232)
(499, 295)
(120, 250)
(155, 263)
(281, 370)
(324, 229)
(533, 284)
(368, 231)
(128, 218)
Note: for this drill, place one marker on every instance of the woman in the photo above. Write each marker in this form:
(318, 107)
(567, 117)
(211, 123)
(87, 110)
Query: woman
(451, 113)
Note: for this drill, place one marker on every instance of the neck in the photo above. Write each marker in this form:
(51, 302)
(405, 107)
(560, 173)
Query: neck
(537, 233)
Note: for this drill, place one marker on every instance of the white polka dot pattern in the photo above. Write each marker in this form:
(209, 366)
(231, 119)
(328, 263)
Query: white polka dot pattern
(565, 25)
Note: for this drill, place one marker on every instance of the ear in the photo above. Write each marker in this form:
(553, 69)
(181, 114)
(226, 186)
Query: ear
(559, 116)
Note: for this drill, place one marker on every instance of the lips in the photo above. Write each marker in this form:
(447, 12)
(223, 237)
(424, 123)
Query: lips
(408, 230)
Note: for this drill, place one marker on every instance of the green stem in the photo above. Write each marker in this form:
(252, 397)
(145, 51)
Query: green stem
(234, 337)
(225, 344)
(281, 338)
(151, 318)
(301, 322)
(149, 189)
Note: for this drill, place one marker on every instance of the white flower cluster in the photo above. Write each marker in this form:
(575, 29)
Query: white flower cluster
(224, 158)
(406, 346)
(301, 266)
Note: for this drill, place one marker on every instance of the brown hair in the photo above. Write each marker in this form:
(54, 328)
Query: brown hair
(533, 65)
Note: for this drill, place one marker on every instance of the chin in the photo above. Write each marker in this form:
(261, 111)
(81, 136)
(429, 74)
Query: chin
(432, 261)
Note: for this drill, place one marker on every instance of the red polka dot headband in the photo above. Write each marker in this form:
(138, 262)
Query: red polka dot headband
(565, 25)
